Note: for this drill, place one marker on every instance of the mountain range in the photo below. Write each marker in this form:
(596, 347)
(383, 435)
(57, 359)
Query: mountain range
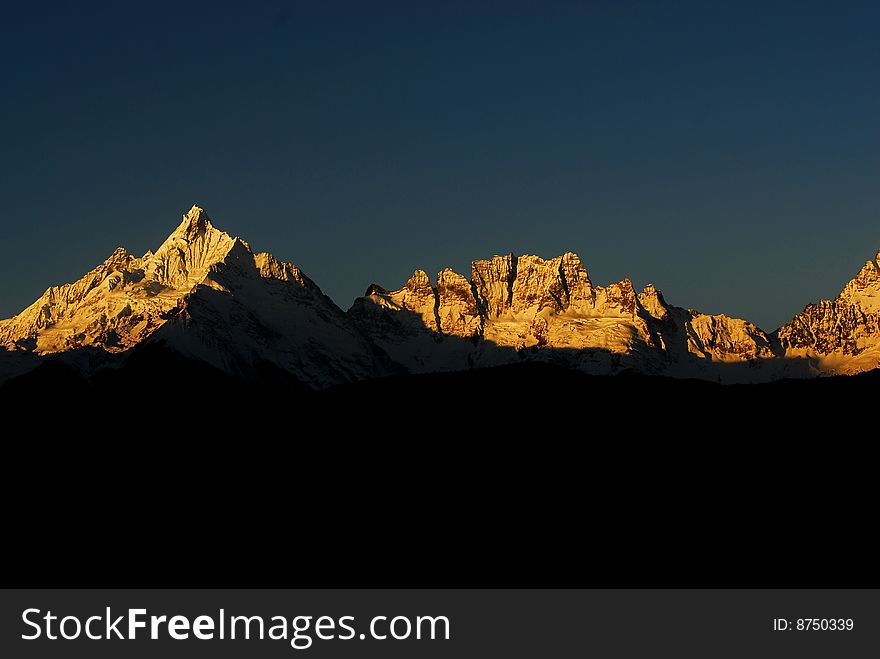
(206, 296)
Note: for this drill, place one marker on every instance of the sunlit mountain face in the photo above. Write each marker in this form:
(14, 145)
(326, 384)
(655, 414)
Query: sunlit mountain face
(208, 297)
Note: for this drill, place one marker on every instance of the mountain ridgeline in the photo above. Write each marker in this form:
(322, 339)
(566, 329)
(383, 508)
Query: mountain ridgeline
(208, 298)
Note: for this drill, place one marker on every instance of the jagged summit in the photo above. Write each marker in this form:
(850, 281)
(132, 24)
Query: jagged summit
(185, 257)
(124, 300)
(527, 307)
(120, 258)
(207, 295)
(195, 221)
(652, 301)
(840, 335)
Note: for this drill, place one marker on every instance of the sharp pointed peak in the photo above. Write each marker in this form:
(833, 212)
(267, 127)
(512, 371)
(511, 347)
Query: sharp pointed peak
(419, 278)
(120, 257)
(194, 222)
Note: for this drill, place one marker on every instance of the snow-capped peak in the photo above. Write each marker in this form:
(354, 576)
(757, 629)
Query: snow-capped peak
(124, 299)
(194, 222)
(189, 252)
(863, 291)
(840, 335)
(206, 295)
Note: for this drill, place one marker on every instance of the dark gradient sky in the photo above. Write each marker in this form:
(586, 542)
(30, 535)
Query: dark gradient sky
(728, 152)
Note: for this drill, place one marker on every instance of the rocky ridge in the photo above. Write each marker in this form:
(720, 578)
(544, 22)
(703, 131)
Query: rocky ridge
(840, 335)
(208, 296)
(547, 309)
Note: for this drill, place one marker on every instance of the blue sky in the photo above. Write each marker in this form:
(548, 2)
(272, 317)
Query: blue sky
(727, 152)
